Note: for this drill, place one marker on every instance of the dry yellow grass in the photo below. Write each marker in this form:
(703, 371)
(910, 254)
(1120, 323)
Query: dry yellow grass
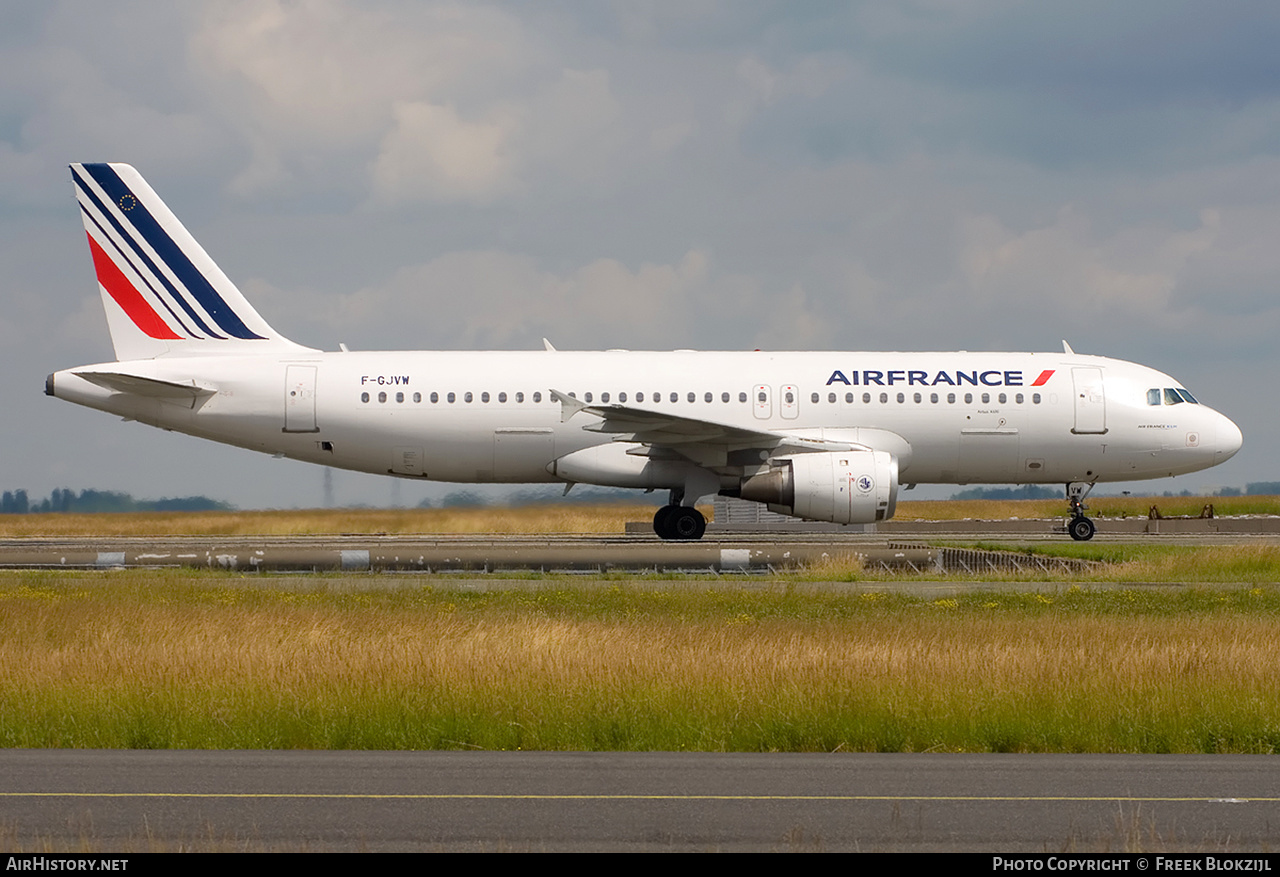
(1111, 507)
(172, 666)
(550, 518)
(496, 519)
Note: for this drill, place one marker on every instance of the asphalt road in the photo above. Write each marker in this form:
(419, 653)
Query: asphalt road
(132, 801)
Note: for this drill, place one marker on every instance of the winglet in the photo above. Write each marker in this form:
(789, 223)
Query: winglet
(1066, 348)
(569, 406)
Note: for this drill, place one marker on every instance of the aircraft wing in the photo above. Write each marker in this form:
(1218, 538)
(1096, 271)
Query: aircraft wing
(690, 436)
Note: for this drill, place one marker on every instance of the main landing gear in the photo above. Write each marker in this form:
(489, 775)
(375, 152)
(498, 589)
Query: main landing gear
(1080, 527)
(675, 521)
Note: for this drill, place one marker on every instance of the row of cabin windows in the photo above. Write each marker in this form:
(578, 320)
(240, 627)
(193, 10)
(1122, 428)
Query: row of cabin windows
(789, 397)
(451, 397)
(985, 398)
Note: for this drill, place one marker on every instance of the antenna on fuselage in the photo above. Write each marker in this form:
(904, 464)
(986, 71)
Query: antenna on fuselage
(1066, 348)
(547, 344)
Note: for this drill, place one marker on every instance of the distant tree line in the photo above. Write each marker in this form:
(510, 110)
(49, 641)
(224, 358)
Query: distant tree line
(584, 494)
(1031, 491)
(1022, 491)
(16, 502)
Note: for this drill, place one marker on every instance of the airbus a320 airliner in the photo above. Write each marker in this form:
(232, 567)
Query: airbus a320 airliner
(825, 436)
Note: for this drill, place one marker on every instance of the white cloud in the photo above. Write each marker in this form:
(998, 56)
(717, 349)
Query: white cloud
(1064, 268)
(310, 84)
(431, 153)
(482, 299)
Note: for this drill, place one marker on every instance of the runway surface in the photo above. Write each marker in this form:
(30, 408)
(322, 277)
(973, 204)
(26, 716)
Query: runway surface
(317, 801)
(554, 553)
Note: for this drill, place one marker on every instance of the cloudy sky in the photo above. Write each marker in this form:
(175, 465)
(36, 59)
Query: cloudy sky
(897, 175)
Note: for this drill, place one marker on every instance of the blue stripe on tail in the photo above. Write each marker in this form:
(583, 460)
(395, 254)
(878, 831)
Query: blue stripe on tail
(171, 254)
(138, 252)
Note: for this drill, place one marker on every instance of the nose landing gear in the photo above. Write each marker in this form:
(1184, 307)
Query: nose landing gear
(1080, 527)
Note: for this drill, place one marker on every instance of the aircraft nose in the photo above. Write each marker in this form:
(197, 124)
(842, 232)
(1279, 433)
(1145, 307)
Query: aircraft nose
(1229, 440)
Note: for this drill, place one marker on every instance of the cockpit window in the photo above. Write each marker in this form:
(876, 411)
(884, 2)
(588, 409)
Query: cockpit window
(1170, 395)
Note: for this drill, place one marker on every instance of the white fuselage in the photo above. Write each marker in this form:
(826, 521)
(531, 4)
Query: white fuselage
(952, 418)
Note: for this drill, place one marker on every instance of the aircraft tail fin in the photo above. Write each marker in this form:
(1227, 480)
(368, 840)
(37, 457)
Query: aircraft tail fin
(162, 292)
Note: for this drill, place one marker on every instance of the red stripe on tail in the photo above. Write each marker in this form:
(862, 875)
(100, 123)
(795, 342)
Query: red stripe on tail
(125, 295)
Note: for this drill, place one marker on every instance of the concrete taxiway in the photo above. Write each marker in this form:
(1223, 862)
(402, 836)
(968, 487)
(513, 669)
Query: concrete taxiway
(908, 550)
(317, 801)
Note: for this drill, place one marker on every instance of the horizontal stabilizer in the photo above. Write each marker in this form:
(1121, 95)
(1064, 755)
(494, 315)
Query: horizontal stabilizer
(136, 385)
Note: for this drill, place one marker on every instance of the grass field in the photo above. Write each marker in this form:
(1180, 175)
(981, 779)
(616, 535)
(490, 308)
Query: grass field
(490, 519)
(170, 659)
(1136, 563)
(184, 659)
(555, 518)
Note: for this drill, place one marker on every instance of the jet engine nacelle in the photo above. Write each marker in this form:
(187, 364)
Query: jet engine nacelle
(845, 487)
